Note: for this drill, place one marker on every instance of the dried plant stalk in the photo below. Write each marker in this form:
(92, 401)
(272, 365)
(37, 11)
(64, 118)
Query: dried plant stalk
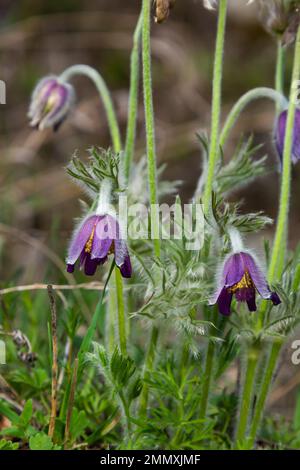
(71, 402)
(54, 361)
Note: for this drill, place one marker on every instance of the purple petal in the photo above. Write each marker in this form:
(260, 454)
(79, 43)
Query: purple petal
(81, 236)
(275, 298)
(125, 268)
(70, 268)
(256, 275)
(62, 97)
(251, 303)
(122, 258)
(90, 265)
(232, 273)
(41, 94)
(224, 302)
(50, 104)
(102, 239)
(121, 252)
(280, 135)
(296, 138)
(234, 269)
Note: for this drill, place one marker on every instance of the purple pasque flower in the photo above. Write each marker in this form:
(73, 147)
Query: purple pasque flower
(280, 135)
(50, 104)
(241, 276)
(96, 238)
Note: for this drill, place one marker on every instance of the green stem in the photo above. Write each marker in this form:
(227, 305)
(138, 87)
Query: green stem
(117, 145)
(255, 94)
(148, 367)
(86, 343)
(208, 371)
(105, 96)
(279, 85)
(133, 98)
(280, 241)
(125, 413)
(149, 121)
(246, 401)
(209, 362)
(216, 104)
(121, 312)
(280, 66)
(111, 317)
(263, 392)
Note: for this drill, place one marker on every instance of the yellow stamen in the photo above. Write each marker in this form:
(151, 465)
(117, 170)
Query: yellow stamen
(112, 249)
(89, 243)
(244, 283)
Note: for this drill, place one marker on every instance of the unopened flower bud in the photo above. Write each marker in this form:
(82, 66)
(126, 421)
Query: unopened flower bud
(213, 4)
(210, 4)
(50, 104)
(281, 18)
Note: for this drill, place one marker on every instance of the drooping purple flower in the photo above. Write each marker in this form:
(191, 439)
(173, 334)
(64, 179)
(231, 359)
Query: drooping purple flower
(280, 135)
(50, 104)
(241, 276)
(96, 238)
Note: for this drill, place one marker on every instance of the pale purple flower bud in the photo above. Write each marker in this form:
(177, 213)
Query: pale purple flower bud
(213, 4)
(50, 104)
(281, 17)
(280, 135)
(241, 276)
(96, 238)
(210, 4)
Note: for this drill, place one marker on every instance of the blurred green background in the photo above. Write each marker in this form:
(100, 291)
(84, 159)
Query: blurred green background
(38, 201)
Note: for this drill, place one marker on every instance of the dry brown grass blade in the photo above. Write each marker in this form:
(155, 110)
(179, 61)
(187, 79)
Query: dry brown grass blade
(31, 287)
(37, 244)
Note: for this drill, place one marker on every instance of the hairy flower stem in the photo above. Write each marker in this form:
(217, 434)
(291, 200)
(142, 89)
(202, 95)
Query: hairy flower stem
(246, 400)
(263, 393)
(216, 105)
(117, 146)
(111, 318)
(280, 66)
(207, 379)
(88, 338)
(152, 171)
(279, 85)
(247, 98)
(213, 157)
(148, 366)
(133, 99)
(280, 243)
(149, 121)
(101, 86)
(121, 312)
(208, 372)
